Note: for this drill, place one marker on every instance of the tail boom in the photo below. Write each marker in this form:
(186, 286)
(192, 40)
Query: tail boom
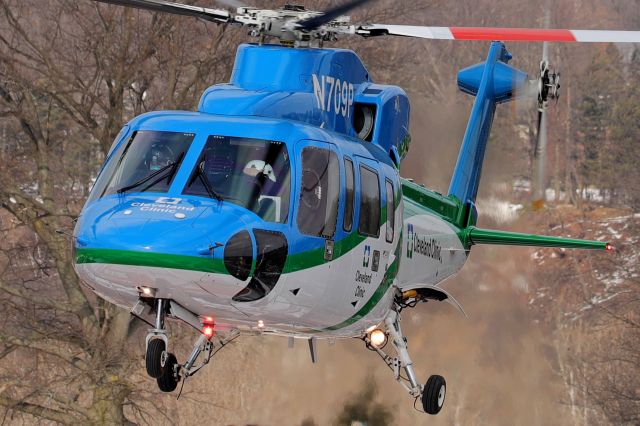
(475, 235)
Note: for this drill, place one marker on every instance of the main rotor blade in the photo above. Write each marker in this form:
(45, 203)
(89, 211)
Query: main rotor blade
(329, 15)
(502, 34)
(213, 15)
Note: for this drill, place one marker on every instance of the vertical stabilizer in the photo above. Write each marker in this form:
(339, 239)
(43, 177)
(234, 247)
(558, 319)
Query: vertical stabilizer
(491, 82)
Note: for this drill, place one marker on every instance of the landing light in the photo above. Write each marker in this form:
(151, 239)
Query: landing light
(378, 338)
(147, 291)
(260, 324)
(370, 329)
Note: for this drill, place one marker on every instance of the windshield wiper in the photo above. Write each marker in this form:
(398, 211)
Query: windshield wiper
(173, 166)
(205, 182)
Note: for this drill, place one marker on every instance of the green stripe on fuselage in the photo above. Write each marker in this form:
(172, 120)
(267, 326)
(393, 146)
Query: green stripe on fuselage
(311, 258)
(389, 275)
(295, 262)
(158, 260)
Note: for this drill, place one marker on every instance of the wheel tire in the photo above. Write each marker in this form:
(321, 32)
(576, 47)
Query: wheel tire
(167, 382)
(153, 357)
(433, 394)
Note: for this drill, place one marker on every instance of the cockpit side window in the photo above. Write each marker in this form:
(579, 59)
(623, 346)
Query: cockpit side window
(319, 192)
(252, 173)
(147, 162)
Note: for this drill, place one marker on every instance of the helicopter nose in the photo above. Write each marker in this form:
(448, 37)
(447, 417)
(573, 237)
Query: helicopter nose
(158, 225)
(219, 247)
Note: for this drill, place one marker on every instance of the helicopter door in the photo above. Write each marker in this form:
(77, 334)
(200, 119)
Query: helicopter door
(317, 214)
(315, 225)
(370, 257)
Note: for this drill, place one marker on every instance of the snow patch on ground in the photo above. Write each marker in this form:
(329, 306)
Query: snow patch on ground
(610, 282)
(499, 210)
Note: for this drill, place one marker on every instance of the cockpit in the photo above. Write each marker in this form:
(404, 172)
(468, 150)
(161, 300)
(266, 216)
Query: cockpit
(251, 173)
(216, 201)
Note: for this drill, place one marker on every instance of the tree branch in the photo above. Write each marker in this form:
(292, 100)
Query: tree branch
(38, 410)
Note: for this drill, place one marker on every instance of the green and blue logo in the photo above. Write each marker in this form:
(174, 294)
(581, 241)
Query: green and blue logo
(410, 241)
(366, 257)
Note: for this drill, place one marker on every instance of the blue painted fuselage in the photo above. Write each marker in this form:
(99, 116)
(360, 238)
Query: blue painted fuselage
(302, 98)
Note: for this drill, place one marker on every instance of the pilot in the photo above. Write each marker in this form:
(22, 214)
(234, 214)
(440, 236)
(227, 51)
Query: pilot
(256, 167)
(261, 172)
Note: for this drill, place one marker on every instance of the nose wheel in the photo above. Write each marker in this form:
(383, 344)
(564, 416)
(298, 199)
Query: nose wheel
(161, 364)
(153, 358)
(169, 378)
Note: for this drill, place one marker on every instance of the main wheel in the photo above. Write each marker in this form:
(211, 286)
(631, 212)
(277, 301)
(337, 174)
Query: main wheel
(433, 394)
(168, 381)
(153, 357)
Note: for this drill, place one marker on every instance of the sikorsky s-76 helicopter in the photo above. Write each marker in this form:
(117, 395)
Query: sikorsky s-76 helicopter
(277, 207)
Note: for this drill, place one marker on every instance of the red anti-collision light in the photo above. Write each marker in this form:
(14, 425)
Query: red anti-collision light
(207, 330)
(608, 247)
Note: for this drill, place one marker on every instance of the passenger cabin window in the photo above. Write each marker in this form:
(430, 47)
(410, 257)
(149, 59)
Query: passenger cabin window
(369, 221)
(147, 162)
(349, 195)
(319, 192)
(251, 173)
(390, 211)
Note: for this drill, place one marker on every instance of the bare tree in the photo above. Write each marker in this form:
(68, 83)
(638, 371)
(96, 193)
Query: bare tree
(71, 73)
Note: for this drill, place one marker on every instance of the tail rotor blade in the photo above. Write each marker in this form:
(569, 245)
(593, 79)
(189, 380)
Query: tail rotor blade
(538, 129)
(540, 160)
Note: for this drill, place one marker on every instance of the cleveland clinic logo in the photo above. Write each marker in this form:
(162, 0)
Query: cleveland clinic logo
(409, 241)
(167, 200)
(428, 247)
(367, 256)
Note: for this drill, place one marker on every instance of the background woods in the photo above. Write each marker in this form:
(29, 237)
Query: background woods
(555, 333)
(71, 73)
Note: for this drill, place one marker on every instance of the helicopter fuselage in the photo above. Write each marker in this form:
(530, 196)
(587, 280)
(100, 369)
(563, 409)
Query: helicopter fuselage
(186, 247)
(301, 223)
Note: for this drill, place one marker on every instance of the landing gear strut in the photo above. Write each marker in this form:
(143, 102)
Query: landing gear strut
(433, 393)
(161, 364)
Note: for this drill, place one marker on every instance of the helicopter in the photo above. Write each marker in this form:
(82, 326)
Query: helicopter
(277, 207)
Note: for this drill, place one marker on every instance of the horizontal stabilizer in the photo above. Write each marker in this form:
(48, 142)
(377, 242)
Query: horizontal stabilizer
(488, 236)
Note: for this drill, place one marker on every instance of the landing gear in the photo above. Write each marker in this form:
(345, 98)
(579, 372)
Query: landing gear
(163, 365)
(433, 393)
(169, 378)
(153, 359)
(157, 341)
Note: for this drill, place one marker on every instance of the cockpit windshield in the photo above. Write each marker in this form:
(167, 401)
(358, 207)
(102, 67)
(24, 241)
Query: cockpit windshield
(147, 162)
(252, 173)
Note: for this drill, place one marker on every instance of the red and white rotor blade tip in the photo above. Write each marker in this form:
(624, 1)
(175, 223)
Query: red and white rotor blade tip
(502, 34)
